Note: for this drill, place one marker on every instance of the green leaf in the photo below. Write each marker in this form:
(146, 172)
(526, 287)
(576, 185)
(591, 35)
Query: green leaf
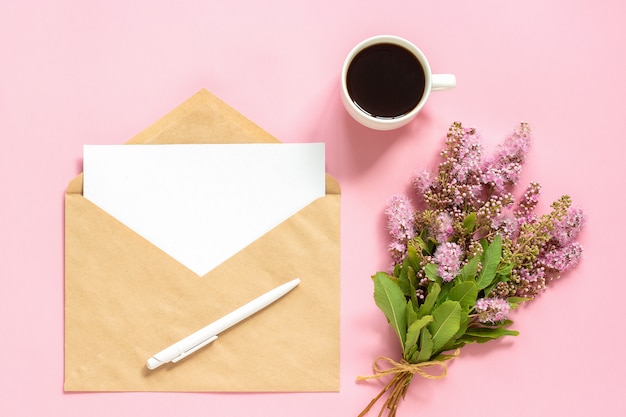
(443, 295)
(397, 270)
(431, 272)
(515, 302)
(403, 279)
(409, 353)
(433, 292)
(390, 299)
(414, 331)
(466, 339)
(428, 246)
(413, 258)
(419, 242)
(426, 347)
(411, 313)
(456, 344)
(490, 260)
(446, 322)
(503, 274)
(468, 272)
(454, 341)
(412, 278)
(465, 293)
(469, 223)
(491, 333)
(505, 269)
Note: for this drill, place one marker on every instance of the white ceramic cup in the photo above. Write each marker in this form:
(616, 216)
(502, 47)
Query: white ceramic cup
(431, 82)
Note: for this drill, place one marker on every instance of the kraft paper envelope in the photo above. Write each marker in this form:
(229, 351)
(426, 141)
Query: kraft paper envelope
(125, 299)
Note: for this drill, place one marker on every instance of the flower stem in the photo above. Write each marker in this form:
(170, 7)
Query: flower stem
(397, 389)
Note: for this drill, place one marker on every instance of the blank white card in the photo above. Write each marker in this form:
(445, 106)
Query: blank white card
(201, 204)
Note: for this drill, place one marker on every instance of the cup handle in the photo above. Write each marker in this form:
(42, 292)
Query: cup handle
(440, 82)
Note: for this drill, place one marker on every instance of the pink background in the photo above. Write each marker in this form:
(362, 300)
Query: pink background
(76, 72)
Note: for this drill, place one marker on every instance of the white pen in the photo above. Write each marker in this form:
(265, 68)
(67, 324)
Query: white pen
(208, 334)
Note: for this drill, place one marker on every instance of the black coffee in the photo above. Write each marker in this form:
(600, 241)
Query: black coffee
(385, 80)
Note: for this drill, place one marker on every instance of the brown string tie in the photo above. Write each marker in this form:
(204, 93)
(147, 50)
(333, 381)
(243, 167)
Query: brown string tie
(402, 373)
(412, 368)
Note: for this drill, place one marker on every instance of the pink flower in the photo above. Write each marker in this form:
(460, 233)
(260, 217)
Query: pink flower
(568, 228)
(507, 224)
(442, 229)
(400, 223)
(528, 202)
(422, 181)
(532, 276)
(504, 167)
(400, 220)
(468, 158)
(563, 258)
(448, 256)
(492, 310)
(397, 250)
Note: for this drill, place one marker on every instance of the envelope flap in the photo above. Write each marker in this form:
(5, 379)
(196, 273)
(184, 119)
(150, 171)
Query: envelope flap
(76, 185)
(203, 118)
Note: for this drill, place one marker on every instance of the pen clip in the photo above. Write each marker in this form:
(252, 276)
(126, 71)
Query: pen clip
(193, 349)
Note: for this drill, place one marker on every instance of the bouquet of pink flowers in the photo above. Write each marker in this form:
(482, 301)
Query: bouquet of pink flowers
(470, 256)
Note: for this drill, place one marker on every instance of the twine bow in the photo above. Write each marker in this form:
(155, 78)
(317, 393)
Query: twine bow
(402, 373)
